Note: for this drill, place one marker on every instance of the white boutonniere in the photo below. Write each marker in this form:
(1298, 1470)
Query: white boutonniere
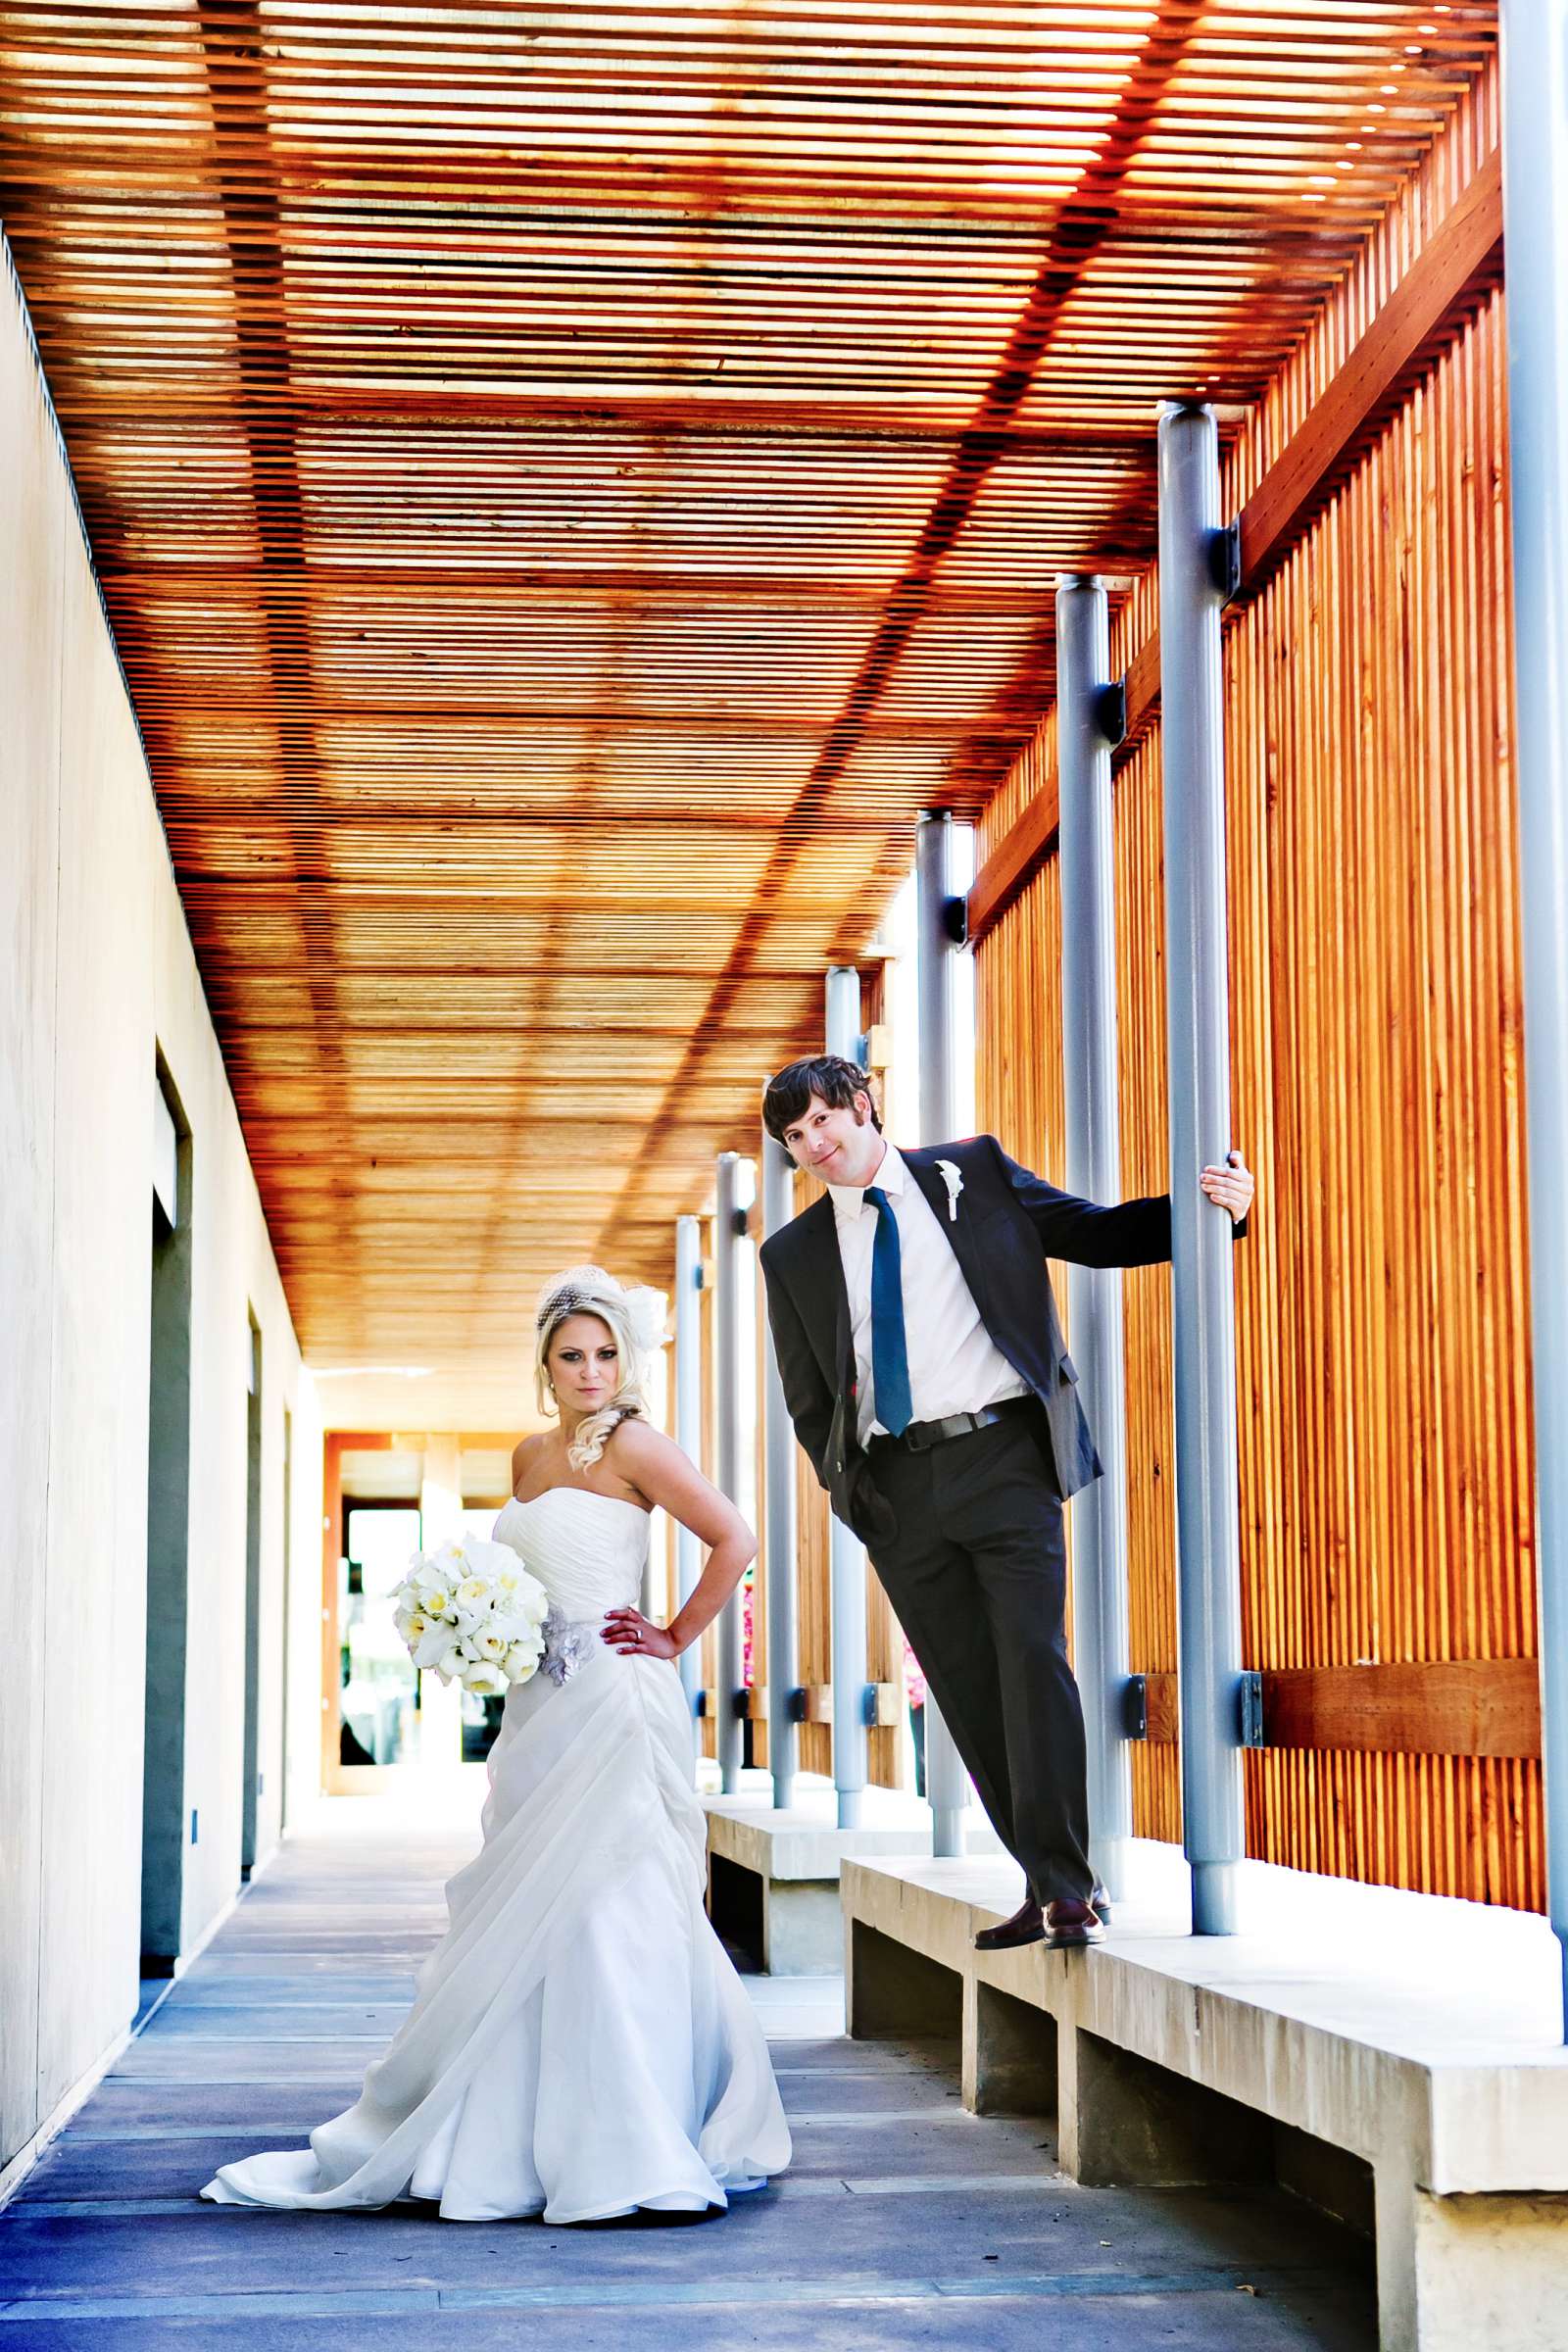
(952, 1178)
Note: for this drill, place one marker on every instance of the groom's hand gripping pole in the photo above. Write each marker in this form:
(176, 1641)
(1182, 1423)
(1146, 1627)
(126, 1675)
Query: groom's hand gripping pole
(1230, 1187)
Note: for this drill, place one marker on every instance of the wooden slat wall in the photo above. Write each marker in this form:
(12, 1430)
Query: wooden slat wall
(1145, 1159)
(1383, 1333)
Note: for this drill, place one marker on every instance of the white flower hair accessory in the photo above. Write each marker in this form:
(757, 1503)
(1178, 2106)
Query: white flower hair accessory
(646, 1311)
(952, 1178)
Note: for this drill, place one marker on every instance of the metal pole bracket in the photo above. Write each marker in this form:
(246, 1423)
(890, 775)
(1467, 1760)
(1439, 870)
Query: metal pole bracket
(1110, 711)
(1250, 1702)
(1225, 560)
(1135, 1707)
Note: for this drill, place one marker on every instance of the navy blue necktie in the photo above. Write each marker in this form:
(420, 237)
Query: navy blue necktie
(890, 1355)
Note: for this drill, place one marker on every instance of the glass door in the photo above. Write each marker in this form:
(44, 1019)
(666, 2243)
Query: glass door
(377, 1684)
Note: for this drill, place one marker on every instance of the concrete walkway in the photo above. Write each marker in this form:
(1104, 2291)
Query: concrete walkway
(904, 2220)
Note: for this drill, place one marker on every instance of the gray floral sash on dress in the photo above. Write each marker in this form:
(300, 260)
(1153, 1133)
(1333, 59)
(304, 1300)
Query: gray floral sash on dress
(569, 1644)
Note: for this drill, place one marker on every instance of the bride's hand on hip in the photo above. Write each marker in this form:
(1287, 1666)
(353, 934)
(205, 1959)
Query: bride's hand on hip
(637, 1637)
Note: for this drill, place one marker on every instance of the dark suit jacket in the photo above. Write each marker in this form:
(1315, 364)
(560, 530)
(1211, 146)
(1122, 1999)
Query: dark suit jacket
(1008, 1222)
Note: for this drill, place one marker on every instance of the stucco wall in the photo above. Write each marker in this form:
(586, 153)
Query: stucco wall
(96, 978)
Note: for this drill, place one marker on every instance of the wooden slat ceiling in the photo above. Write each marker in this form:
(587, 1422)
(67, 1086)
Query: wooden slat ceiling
(571, 483)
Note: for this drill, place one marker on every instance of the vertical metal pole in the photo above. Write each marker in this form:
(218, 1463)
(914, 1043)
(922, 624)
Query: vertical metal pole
(1198, 1032)
(735, 1305)
(946, 1783)
(783, 1565)
(845, 1552)
(1094, 1172)
(1535, 165)
(689, 1427)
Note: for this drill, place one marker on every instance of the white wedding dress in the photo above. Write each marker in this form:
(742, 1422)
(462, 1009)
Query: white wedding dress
(579, 2045)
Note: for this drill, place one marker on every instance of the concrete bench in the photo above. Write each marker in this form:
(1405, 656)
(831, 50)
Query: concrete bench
(1394, 2058)
(773, 1878)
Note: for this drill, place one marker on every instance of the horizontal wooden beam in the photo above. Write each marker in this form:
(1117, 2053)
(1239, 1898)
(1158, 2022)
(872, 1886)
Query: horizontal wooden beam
(1463, 258)
(1463, 1707)
(1015, 861)
(1463, 255)
(1439, 1707)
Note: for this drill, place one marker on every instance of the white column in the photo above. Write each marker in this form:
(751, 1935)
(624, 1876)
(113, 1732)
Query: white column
(783, 1561)
(1094, 1172)
(845, 1552)
(735, 1304)
(1197, 1061)
(440, 1517)
(946, 1783)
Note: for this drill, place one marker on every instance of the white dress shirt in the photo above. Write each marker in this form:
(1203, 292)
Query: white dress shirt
(954, 1365)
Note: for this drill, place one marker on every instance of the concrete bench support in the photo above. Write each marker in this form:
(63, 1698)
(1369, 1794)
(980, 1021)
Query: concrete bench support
(1470, 2274)
(1125, 2122)
(773, 1878)
(1391, 2058)
(900, 1994)
(1009, 2053)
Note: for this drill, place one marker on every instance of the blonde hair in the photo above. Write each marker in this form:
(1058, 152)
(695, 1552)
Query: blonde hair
(635, 1319)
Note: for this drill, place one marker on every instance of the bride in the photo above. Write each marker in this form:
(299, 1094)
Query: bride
(579, 2045)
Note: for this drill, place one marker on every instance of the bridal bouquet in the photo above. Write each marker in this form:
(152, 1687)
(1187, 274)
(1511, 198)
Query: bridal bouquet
(472, 1613)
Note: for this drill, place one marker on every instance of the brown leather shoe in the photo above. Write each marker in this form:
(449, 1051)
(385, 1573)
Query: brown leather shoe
(1071, 1923)
(1026, 1926)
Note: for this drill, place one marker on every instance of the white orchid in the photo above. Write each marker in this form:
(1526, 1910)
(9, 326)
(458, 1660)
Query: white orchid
(432, 1645)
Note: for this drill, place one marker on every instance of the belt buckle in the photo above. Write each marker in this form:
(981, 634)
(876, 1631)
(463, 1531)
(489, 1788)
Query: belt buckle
(917, 1445)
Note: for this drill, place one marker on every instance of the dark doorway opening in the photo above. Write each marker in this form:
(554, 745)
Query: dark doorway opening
(252, 1784)
(285, 1644)
(166, 1832)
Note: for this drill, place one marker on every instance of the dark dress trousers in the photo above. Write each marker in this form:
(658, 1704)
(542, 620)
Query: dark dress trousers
(966, 1535)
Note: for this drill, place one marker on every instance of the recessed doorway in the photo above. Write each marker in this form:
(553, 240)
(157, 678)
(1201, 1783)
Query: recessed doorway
(387, 1495)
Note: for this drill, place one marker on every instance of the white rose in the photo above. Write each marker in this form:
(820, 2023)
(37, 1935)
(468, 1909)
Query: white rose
(488, 1682)
(521, 1660)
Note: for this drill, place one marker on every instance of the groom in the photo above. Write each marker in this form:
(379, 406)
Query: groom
(922, 1364)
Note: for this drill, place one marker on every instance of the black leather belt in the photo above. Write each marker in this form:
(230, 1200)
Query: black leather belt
(920, 1435)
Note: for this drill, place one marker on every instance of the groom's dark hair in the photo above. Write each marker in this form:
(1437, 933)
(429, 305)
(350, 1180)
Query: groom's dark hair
(833, 1080)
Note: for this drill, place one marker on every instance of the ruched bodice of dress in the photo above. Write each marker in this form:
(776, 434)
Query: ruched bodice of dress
(580, 2046)
(587, 1550)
